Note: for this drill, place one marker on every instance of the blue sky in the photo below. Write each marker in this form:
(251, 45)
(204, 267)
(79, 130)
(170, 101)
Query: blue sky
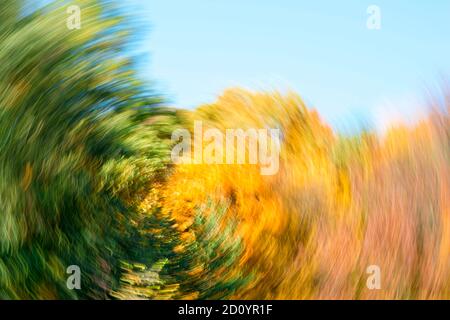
(321, 49)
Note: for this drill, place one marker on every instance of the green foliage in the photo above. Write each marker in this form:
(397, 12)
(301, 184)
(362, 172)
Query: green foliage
(72, 144)
(203, 269)
(216, 252)
(81, 143)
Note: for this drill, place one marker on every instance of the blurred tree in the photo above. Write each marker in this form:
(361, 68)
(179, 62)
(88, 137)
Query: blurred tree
(71, 122)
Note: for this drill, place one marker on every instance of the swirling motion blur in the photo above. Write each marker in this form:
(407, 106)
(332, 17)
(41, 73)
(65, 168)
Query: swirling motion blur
(86, 179)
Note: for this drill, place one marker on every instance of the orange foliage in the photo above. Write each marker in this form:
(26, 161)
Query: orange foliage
(335, 207)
